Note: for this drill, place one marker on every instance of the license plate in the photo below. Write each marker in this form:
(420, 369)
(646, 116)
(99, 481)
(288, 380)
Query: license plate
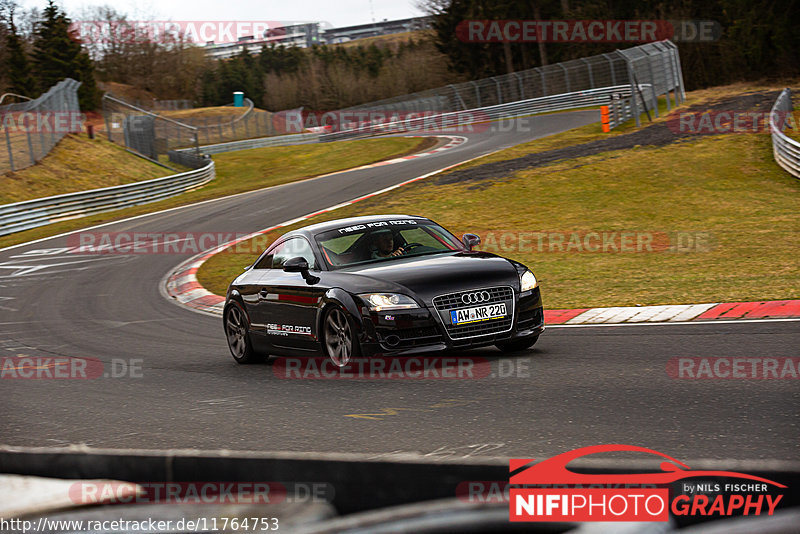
(478, 313)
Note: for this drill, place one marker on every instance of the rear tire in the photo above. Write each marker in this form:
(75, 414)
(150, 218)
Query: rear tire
(517, 345)
(237, 329)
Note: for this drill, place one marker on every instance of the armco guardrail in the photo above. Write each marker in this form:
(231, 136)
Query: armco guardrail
(785, 149)
(279, 140)
(545, 104)
(188, 158)
(41, 211)
(622, 110)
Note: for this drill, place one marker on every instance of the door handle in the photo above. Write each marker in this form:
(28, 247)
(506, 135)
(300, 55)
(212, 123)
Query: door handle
(263, 293)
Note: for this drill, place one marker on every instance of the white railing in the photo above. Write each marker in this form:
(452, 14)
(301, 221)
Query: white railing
(277, 140)
(41, 211)
(785, 149)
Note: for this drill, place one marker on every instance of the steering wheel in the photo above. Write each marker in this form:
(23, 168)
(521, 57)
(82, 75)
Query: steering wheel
(408, 246)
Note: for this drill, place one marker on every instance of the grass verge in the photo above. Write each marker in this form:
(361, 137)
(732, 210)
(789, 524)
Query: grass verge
(247, 170)
(217, 112)
(77, 163)
(723, 192)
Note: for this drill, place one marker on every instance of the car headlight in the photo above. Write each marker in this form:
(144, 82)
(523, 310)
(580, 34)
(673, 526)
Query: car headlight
(388, 301)
(527, 281)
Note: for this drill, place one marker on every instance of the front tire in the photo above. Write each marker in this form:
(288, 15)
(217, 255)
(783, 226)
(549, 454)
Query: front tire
(517, 345)
(237, 328)
(339, 338)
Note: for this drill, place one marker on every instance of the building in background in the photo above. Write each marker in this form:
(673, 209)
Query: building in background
(307, 34)
(387, 27)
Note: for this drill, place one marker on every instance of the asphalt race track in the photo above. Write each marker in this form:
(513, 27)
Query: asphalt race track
(577, 387)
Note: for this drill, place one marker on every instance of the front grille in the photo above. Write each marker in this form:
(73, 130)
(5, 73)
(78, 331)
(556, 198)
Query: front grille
(411, 333)
(480, 329)
(452, 301)
(411, 337)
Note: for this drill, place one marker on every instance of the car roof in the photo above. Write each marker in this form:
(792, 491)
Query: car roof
(318, 228)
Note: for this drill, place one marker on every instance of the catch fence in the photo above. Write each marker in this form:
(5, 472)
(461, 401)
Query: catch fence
(29, 130)
(650, 71)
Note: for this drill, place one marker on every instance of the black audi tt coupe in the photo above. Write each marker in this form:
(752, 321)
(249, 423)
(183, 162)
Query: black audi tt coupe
(388, 285)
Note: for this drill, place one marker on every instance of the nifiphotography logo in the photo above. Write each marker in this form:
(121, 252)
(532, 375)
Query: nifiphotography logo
(548, 491)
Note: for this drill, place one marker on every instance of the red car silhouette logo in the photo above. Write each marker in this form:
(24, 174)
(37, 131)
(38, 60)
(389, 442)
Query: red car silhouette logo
(554, 470)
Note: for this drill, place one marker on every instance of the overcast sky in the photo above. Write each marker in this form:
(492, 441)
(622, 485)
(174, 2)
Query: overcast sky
(336, 12)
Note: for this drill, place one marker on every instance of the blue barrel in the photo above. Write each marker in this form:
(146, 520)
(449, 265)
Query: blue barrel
(238, 99)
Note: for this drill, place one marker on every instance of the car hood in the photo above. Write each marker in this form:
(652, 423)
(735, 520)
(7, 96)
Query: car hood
(429, 276)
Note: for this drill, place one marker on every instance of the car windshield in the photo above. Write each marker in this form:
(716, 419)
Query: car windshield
(382, 241)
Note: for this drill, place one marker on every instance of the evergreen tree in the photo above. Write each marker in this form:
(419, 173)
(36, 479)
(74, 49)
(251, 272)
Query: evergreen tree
(57, 54)
(17, 68)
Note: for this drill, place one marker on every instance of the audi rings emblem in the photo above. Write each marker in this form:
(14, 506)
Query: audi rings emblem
(476, 297)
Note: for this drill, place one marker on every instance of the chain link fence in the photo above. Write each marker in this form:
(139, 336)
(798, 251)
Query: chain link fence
(167, 105)
(651, 70)
(249, 124)
(29, 130)
(154, 135)
(641, 75)
(147, 133)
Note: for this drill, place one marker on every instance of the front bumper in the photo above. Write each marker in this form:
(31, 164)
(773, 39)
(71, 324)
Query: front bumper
(411, 332)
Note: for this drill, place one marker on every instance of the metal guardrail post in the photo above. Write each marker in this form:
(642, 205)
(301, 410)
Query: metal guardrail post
(676, 59)
(477, 94)
(31, 153)
(652, 81)
(566, 75)
(668, 74)
(589, 69)
(499, 91)
(10, 151)
(107, 120)
(612, 69)
(544, 81)
(458, 96)
(521, 86)
(632, 81)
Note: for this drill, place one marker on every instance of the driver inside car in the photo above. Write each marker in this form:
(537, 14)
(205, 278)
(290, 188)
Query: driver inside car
(383, 245)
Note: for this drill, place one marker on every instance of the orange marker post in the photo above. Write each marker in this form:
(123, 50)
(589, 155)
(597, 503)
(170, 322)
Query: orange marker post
(604, 119)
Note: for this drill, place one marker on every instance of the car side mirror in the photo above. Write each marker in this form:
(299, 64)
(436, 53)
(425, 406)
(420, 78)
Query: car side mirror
(296, 265)
(300, 265)
(471, 240)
